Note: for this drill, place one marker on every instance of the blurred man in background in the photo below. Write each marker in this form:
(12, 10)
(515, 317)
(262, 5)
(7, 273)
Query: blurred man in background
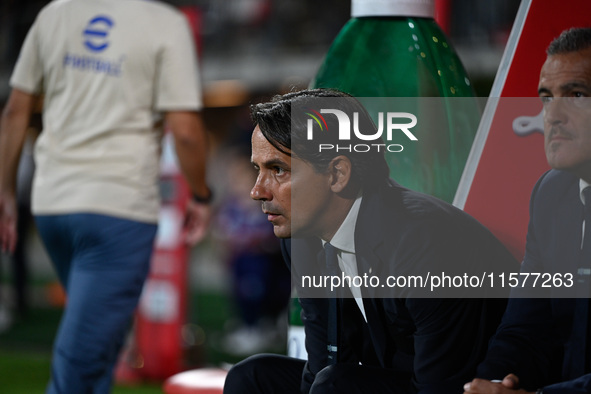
(105, 69)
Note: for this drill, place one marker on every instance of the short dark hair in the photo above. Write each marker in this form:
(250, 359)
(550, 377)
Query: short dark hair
(275, 121)
(570, 40)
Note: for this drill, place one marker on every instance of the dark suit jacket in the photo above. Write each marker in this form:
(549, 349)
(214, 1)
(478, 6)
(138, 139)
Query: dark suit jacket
(434, 343)
(535, 340)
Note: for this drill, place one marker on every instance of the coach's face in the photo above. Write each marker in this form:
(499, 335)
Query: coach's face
(280, 189)
(565, 88)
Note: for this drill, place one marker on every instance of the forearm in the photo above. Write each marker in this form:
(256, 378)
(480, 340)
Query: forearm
(191, 146)
(13, 129)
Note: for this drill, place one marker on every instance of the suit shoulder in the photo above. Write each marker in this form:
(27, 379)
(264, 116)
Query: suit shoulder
(411, 213)
(554, 178)
(553, 185)
(431, 216)
(424, 231)
(416, 204)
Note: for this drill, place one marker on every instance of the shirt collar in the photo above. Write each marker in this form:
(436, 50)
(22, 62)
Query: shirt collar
(344, 238)
(582, 185)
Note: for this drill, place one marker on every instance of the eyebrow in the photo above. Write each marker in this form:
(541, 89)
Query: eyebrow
(271, 163)
(566, 87)
(574, 85)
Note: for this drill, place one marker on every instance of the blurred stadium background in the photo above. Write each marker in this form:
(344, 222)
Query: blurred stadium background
(249, 51)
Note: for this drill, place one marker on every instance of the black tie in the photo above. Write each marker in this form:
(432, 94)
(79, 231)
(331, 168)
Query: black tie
(332, 269)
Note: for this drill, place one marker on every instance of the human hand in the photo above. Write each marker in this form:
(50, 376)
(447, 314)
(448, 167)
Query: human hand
(8, 220)
(509, 384)
(197, 219)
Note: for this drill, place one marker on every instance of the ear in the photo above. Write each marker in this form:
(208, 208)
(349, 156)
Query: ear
(340, 173)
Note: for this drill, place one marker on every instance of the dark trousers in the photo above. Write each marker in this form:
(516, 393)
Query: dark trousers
(269, 374)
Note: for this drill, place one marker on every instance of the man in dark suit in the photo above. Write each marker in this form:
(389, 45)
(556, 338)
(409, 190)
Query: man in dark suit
(543, 344)
(371, 339)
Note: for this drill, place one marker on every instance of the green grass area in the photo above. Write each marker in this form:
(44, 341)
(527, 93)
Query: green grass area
(28, 372)
(25, 349)
(25, 355)
(34, 333)
(23, 372)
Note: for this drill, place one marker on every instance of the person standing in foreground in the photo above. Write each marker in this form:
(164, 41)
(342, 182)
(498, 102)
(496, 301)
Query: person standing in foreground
(543, 344)
(374, 342)
(105, 69)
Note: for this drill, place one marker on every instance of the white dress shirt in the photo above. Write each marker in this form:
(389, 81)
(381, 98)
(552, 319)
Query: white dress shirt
(344, 242)
(582, 185)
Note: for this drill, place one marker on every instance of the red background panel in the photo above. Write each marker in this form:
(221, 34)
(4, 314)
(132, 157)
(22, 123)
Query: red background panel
(510, 164)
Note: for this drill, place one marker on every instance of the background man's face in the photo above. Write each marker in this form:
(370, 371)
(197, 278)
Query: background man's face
(274, 187)
(565, 88)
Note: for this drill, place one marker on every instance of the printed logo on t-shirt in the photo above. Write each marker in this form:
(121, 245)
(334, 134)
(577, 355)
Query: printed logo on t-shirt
(96, 40)
(96, 34)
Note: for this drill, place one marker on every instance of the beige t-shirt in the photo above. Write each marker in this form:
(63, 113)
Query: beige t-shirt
(106, 68)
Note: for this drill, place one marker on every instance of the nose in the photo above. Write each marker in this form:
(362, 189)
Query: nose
(260, 191)
(555, 111)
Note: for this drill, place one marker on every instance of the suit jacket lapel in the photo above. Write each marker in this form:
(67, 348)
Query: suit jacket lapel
(567, 223)
(565, 250)
(369, 250)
